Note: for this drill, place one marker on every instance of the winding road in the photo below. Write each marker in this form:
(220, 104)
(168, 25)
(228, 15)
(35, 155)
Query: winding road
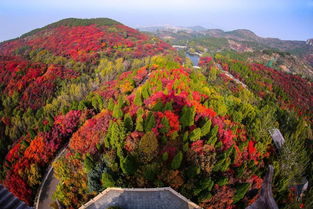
(48, 186)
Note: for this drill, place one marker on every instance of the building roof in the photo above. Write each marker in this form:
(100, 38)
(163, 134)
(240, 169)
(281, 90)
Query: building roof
(9, 201)
(140, 198)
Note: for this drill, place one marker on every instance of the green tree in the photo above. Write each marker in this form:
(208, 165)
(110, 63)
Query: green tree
(213, 73)
(137, 99)
(88, 163)
(128, 165)
(139, 120)
(165, 125)
(111, 104)
(241, 190)
(195, 134)
(145, 92)
(177, 160)
(107, 180)
(97, 102)
(128, 122)
(205, 129)
(115, 135)
(149, 122)
(34, 175)
(117, 111)
(165, 156)
(148, 147)
(187, 116)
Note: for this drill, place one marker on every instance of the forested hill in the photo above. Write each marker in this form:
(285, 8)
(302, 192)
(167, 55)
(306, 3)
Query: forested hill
(133, 113)
(50, 71)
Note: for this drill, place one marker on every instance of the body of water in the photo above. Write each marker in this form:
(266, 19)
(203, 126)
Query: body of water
(194, 58)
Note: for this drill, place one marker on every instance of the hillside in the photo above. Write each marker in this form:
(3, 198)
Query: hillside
(131, 112)
(47, 73)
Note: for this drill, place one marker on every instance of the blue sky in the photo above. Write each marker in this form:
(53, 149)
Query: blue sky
(285, 19)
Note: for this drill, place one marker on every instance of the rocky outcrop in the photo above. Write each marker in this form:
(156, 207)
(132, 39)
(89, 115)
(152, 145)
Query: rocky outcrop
(310, 42)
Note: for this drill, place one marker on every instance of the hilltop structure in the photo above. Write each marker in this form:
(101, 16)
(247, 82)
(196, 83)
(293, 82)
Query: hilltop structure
(140, 198)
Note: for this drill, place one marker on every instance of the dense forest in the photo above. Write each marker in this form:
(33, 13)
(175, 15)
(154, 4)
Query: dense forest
(132, 112)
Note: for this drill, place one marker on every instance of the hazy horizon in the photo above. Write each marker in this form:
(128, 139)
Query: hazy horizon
(284, 19)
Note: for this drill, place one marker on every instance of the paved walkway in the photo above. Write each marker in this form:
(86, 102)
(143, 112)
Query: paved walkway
(47, 191)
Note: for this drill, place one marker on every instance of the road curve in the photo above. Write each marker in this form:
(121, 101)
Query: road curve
(49, 187)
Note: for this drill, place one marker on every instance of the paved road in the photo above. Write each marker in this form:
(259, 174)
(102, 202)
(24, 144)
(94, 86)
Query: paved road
(48, 185)
(47, 192)
(266, 199)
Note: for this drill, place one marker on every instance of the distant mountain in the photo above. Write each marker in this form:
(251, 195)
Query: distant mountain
(242, 35)
(153, 29)
(197, 28)
(168, 28)
(290, 56)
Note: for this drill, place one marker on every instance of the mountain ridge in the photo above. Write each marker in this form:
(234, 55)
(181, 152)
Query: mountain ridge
(74, 22)
(202, 29)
